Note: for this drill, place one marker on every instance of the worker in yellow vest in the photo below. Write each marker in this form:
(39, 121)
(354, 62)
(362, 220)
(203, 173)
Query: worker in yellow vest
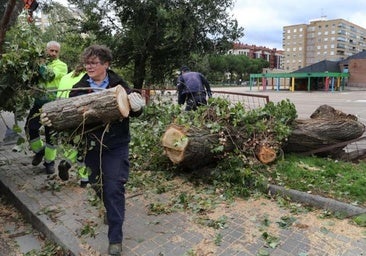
(71, 153)
(50, 74)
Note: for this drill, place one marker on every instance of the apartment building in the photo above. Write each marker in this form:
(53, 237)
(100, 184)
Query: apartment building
(273, 56)
(321, 39)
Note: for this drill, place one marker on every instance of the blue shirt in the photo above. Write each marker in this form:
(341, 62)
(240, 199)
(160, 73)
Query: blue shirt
(97, 87)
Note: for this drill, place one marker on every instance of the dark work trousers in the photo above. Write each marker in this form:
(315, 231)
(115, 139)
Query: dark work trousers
(33, 125)
(115, 171)
(193, 100)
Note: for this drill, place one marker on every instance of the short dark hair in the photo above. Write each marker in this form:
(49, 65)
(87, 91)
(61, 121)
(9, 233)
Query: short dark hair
(101, 51)
(184, 69)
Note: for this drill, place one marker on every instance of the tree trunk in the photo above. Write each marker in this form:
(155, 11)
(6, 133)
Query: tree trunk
(327, 127)
(12, 10)
(100, 107)
(193, 147)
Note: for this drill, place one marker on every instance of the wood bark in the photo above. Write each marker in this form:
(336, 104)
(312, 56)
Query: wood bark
(193, 147)
(100, 107)
(327, 127)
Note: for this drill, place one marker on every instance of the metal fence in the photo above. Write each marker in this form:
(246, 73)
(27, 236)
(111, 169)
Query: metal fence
(249, 101)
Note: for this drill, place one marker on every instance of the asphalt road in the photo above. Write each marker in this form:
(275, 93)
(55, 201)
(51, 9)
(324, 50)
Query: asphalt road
(349, 102)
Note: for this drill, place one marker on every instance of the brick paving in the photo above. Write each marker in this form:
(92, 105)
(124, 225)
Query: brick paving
(64, 213)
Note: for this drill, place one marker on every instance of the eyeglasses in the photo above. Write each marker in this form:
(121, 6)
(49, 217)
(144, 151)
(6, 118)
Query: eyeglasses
(91, 64)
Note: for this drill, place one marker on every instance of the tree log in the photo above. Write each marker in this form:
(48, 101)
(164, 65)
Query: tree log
(100, 107)
(325, 127)
(193, 148)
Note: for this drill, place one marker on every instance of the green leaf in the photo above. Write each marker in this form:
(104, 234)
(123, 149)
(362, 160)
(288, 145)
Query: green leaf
(360, 220)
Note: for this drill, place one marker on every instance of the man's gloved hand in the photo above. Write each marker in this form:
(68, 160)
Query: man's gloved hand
(209, 94)
(136, 101)
(45, 120)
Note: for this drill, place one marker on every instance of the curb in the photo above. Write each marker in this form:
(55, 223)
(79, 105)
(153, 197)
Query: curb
(29, 207)
(318, 201)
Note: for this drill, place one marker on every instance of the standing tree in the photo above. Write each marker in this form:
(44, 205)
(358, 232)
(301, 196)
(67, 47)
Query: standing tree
(9, 12)
(155, 37)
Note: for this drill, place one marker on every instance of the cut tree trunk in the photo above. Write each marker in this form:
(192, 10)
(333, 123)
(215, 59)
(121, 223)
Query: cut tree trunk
(100, 107)
(326, 127)
(193, 147)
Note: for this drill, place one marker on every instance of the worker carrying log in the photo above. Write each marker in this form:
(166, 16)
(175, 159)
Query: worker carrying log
(192, 89)
(107, 141)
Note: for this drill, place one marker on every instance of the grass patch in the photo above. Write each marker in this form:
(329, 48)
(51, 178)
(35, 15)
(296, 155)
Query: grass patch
(343, 181)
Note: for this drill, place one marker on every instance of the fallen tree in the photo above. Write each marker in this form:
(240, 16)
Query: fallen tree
(325, 133)
(221, 129)
(193, 147)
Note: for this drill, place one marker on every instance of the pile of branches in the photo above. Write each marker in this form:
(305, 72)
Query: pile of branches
(204, 136)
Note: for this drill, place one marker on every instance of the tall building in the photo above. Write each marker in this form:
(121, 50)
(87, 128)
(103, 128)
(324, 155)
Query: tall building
(273, 56)
(321, 39)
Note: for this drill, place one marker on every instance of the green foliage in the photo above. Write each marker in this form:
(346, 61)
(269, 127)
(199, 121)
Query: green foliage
(239, 67)
(158, 36)
(19, 67)
(360, 220)
(49, 249)
(64, 28)
(237, 173)
(220, 223)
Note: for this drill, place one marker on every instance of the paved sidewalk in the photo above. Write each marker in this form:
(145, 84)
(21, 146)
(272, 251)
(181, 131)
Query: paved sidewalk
(65, 215)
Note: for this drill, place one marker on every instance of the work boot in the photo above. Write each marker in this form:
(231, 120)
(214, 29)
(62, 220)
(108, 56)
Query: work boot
(37, 158)
(63, 169)
(115, 249)
(50, 167)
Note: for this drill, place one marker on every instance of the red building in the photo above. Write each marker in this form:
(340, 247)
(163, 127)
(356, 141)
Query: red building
(273, 56)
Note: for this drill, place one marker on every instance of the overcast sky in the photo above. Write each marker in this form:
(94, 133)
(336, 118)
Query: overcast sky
(263, 20)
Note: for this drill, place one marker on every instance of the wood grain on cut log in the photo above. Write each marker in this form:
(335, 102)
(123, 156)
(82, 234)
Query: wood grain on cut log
(192, 147)
(266, 154)
(99, 107)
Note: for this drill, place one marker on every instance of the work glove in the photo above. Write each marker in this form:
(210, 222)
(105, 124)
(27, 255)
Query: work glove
(45, 120)
(209, 94)
(136, 101)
